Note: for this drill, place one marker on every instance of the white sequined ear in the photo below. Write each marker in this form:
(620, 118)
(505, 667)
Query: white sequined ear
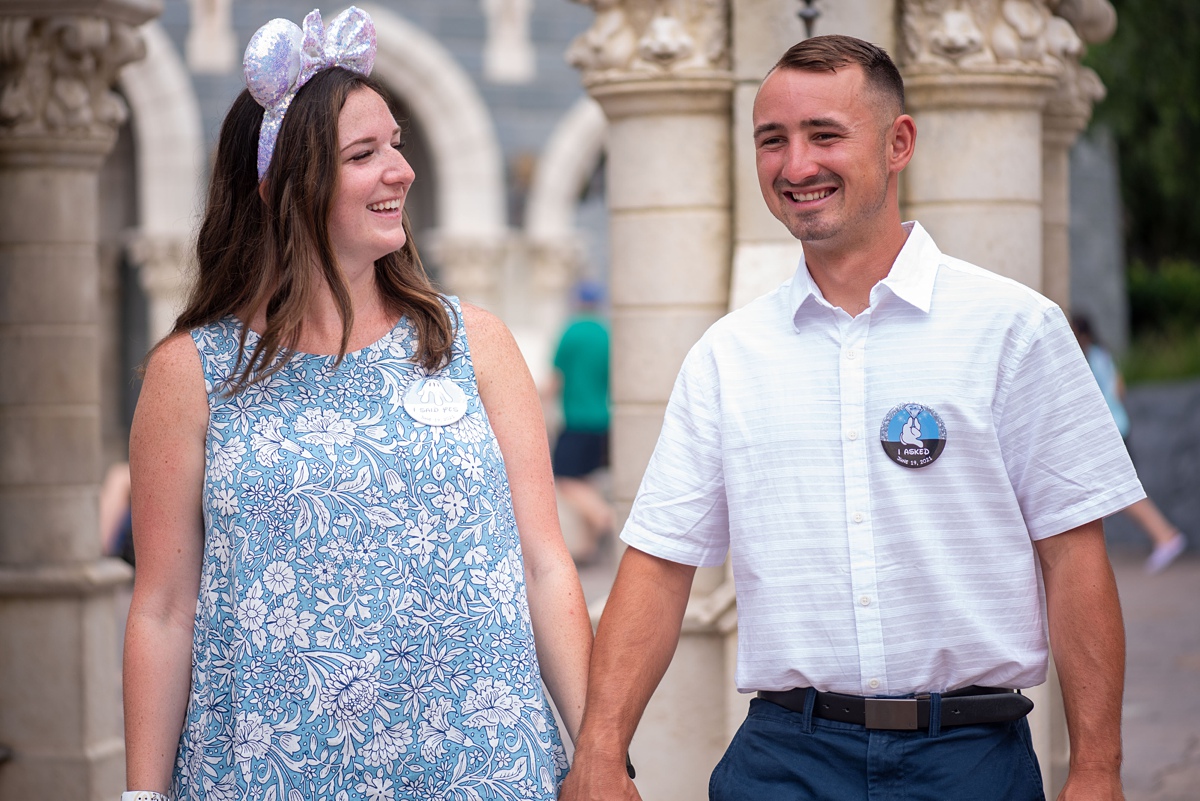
(282, 57)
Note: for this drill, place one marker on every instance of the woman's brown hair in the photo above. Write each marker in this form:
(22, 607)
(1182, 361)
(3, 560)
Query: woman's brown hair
(253, 251)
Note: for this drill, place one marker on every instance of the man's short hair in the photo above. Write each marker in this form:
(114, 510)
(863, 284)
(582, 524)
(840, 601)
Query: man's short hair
(821, 53)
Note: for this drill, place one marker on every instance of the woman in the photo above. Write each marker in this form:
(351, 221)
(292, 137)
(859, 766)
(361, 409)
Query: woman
(341, 485)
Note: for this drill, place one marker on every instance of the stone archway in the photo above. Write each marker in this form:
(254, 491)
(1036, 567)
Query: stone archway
(572, 154)
(471, 232)
(170, 165)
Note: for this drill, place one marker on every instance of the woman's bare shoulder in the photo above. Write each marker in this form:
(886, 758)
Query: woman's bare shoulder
(489, 339)
(174, 379)
(177, 351)
(480, 320)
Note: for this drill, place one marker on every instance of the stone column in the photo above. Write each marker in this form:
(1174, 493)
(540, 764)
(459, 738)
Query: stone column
(660, 70)
(977, 78)
(471, 265)
(59, 683)
(1066, 115)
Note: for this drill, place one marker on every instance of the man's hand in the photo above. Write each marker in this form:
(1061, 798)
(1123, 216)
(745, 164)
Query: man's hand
(635, 641)
(597, 777)
(1088, 640)
(1093, 783)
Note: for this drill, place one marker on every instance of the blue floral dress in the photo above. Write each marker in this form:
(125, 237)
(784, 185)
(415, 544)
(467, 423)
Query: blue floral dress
(362, 630)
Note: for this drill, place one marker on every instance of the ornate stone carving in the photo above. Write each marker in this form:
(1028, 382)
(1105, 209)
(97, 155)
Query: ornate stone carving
(470, 265)
(211, 42)
(55, 74)
(652, 38)
(162, 261)
(1079, 88)
(164, 265)
(986, 35)
(555, 264)
(508, 55)
(1094, 20)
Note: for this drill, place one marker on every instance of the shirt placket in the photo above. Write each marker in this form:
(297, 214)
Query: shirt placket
(859, 527)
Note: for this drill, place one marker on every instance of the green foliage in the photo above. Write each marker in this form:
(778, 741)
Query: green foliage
(1164, 311)
(1151, 69)
(1165, 299)
(1162, 356)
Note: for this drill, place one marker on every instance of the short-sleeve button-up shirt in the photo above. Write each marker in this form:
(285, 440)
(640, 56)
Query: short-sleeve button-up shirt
(855, 574)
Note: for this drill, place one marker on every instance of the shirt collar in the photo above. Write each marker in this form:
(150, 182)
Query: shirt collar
(911, 278)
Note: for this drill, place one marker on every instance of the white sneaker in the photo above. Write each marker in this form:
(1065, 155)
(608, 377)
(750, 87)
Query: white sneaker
(1165, 554)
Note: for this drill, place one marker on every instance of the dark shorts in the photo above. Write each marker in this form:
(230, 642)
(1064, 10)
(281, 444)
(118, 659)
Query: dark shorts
(579, 453)
(782, 755)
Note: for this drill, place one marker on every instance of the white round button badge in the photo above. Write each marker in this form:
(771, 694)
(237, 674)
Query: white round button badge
(435, 401)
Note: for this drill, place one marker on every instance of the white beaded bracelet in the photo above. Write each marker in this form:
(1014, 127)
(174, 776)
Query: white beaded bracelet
(142, 795)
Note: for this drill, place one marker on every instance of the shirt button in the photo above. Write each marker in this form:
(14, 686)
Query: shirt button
(858, 517)
(873, 684)
(852, 433)
(865, 600)
(851, 355)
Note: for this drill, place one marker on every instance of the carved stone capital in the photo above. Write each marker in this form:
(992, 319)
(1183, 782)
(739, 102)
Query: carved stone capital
(56, 74)
(1017, 37)
(1094, 20)
(1070, 106)
(161, 261)
(652, 39)
(555, 263)
(1079, 88)
(470, 265)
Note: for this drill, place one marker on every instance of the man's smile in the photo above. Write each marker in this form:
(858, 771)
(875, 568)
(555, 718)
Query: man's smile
(805, 197)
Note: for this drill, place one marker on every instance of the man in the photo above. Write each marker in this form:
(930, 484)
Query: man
(906, 568)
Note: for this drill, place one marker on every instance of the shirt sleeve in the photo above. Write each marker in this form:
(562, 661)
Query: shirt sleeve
(1063, 453)
(680, 512)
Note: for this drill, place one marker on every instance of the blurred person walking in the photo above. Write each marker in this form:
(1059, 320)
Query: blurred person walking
(581, 365)
(1168, 541)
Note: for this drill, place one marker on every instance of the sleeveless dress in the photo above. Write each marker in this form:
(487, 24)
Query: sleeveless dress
(362, 629)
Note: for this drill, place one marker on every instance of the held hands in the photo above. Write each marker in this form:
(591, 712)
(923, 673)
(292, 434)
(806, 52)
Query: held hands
(1093, 783)
(597, 777)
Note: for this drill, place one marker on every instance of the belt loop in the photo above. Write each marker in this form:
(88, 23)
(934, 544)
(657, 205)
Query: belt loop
(935, 714)
(810, 699)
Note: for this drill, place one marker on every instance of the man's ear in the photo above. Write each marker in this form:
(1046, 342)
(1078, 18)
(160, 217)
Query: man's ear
(901, 143)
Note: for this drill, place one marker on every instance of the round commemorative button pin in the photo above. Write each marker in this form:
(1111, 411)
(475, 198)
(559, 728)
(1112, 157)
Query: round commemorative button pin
(912, 435)
(435, 401)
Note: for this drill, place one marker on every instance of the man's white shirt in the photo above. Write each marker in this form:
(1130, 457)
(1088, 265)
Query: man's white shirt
(855, 574)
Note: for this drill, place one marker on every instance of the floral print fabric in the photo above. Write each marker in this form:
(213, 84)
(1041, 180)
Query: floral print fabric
(362, 629)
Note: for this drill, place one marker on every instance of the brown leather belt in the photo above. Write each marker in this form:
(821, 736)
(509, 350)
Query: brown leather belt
(966, 707)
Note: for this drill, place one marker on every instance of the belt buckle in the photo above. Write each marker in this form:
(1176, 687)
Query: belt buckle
(891, 713)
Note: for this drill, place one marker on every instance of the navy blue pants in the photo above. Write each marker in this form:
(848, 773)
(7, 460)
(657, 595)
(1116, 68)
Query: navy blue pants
(780, 755)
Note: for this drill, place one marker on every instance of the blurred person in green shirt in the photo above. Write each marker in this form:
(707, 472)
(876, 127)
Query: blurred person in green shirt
(581, 362)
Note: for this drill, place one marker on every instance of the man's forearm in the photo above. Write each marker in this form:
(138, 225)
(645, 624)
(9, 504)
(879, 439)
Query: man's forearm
(635, 641)
(1087, 637)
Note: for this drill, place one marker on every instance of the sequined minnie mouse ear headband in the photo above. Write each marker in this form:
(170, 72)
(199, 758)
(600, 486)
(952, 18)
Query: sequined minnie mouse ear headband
(281, 58)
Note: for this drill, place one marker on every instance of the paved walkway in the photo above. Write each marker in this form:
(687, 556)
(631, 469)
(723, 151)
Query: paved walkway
(1162, 684)
(1162, 688)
